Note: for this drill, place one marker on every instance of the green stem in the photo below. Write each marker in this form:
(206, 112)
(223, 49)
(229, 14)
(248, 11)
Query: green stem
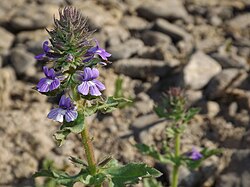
(88, 147)
(175, 175)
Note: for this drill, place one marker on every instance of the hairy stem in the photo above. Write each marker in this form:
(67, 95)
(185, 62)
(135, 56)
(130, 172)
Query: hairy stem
(175, 174)
(88, 147)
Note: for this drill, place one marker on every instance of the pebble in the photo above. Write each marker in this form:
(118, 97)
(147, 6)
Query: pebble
(153, 38)
(167, 9)
(141, 68)
(6, 41)
(200, 70)
(134, 23)
(174, 31)
(126, 49)
(32, 17)
(21, 60)
(218, 85)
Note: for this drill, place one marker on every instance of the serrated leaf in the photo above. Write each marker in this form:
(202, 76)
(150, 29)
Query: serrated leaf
(112, 103)
(75, 126)
(78, 161)
(131, 173)
(61, 177)
(94, 179)
(151, 182)
(151, 151)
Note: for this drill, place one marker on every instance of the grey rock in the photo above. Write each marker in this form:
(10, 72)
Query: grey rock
(6, 41)
(153, 38)
(134, 23)
(115, 34)
(32, 40)
(21, 60)
(240, 22)
(141, 68)
(227, 78)
(166, 9)
(237, 174)
(200, 70)
(126, 49)
(7, 77)
(230, 61)
(32, 17)
(175, 32)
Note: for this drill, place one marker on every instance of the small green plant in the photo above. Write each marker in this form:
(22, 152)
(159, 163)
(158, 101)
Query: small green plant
(174, 110)
(72, 73)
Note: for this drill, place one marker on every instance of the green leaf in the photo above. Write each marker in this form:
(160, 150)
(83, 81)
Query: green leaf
(148, 150)
(131, 173)
(61, 177)
(190, 114)
(78, 161)
(151, 151)
(151, 182)
(94, 180)
(75, 126)
(109, 105)
(112, 103)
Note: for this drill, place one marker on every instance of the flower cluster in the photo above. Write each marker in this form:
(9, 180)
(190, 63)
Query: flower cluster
(74, 58)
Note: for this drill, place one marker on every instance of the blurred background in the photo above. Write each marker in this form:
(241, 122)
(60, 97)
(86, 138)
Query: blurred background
(202, 46)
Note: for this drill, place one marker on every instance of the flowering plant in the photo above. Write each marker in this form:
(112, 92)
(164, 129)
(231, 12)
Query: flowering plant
(74, 75)
(174, 110)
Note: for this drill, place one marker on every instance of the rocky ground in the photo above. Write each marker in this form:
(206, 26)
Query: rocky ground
(202, 46)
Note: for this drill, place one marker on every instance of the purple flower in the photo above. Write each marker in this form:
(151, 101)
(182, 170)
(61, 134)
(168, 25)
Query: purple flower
(50, 82)
(66, 109)
(96, 50)
(195, 154)
(46, 50)
(89, 82)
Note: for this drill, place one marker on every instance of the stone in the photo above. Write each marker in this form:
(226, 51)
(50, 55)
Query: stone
(166, 9)
(115, 34)
(7, 77)
(21, 59)
(200, 70)
(227, 78)
(239, 22)
(126, 49)
(134, 23)
(32, 40)
(153, 38)
(6, 41)
(174, 31)
(141, 68)
(237, 174)
(97, 15)
(32, 17)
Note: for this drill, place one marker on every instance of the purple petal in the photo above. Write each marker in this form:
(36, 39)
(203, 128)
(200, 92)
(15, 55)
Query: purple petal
(95, 73)
(40, 56)
(94, 91)
(195, 154)
(87, 74)
(43, 85)
(103, 54)
(45, 71)
(92, 50)
(62, 101)
(83, 88)
(71, 115)
(54, 85)
(51, 73)
(57, 114)
(99, 85)
(46, 48)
